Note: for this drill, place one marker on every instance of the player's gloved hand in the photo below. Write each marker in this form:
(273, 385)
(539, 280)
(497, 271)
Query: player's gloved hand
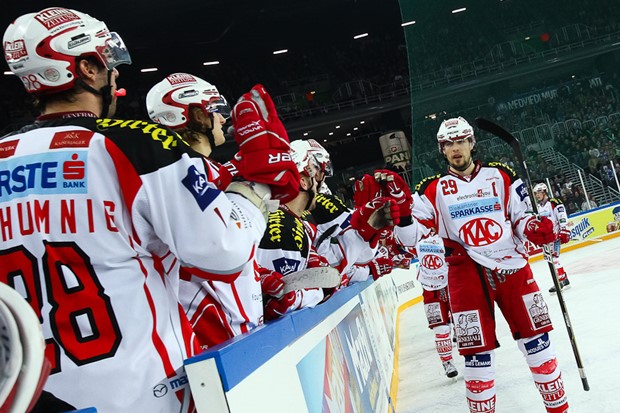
(539, 231)
(271, 282)
(365, 190)
(564, 236)
(395, 187)
(264, 150)
(315, 260)
(276, 308)
(380, 266)
(371, 218)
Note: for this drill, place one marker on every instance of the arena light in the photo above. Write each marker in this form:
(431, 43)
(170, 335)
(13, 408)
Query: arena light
(8, 73)
(149, 69)
(362, 122)
(355, 128)
(337, 126)
(305, 133)
(459, 10)
(215, 62)
(409, 23)
(359, 36)
(331, 133)
(281, 51)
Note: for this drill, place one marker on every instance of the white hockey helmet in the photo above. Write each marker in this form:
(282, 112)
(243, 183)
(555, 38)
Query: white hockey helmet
(23, 367)
(168, 102)
(305, 158)
(540, 187)
(302, 149)
(454, 129)
(42, 48)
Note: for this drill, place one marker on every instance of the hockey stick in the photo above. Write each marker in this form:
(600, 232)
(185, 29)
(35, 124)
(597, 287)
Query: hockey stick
(507, 137)
(318, 277)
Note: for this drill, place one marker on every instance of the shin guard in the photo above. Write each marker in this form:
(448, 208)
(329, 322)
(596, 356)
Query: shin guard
(443, 342)
(543, 364)
(480, 382)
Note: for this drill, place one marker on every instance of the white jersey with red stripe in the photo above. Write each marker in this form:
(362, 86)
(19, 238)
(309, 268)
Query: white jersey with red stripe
(86, 205)
(485, 212)
(553, 209)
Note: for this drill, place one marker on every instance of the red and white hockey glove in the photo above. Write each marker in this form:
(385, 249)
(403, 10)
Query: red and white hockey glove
(264, 150)
(365, 190)
(276, 308)
(371, 218)
(315, 260)
(539, 231)
(564, 236)
(271, 282)
(395, 187)
(380, 266)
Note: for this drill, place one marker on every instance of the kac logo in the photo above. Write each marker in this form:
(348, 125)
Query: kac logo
(432, 262)
(481, 231)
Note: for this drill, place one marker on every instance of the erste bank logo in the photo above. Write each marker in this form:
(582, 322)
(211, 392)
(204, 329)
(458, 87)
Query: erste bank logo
(62, 172)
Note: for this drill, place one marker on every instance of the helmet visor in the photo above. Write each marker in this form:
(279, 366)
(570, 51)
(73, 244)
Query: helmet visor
(115, 53)
(219, 105)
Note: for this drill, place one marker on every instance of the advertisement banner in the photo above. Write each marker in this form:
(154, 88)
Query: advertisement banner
(588, 226)
(350, 380)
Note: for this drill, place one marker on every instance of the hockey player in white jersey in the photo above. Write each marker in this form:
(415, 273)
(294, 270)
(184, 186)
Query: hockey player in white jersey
(217, 309)
(88, 202)
(554, 209)
(433, 276)
(289, 241)
(483, 213)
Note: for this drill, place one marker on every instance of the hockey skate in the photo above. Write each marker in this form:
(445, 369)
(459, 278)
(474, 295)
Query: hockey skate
(564, 285)
(450, 369)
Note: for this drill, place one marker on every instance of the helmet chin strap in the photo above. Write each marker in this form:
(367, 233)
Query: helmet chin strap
(209, 132)
(311, 195)
(105, 92)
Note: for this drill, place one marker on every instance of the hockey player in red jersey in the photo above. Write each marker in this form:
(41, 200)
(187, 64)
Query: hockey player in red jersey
(483, 213)
(88, 201)
(554, 209)
(217, 310)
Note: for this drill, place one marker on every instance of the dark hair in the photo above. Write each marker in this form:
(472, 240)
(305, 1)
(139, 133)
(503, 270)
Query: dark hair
(69, 96)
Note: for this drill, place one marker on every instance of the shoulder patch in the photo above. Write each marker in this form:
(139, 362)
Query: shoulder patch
(327, 208)
(505, 168)
(424, 183)
(285, 231)
(149, 146)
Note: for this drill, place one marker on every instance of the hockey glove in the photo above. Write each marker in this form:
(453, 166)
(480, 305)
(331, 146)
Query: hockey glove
(271, 282)
(276, 308)
(369, 219)
(315, 260)
(395, 187)
(365, 190)
(380, 266)
(264, 150)
(564, 236)
(539, 231)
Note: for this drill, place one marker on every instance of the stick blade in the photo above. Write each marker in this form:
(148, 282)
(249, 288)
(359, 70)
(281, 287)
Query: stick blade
(319, 277)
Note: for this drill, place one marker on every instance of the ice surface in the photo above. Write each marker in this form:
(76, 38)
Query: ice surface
(593, 303)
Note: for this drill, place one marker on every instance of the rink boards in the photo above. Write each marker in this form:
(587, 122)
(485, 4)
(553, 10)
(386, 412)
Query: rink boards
(337, 357)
